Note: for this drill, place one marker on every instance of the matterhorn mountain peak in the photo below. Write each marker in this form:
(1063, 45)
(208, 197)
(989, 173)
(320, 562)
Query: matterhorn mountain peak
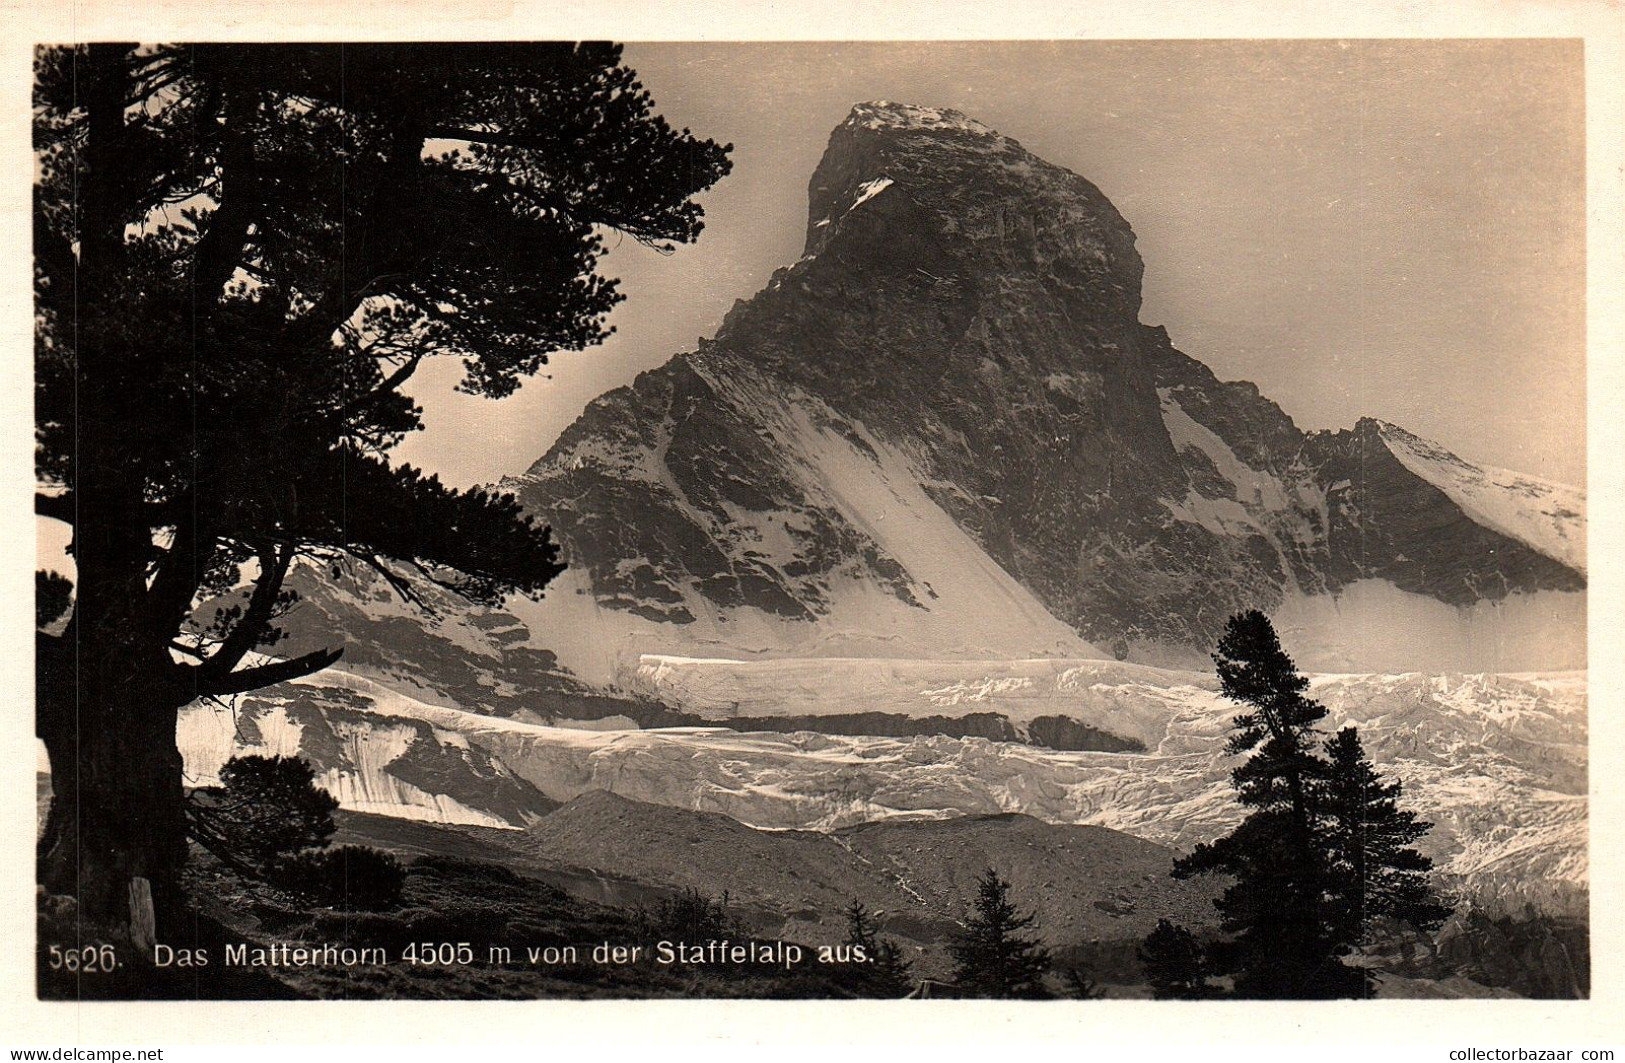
(1380, 427)
(944, 431)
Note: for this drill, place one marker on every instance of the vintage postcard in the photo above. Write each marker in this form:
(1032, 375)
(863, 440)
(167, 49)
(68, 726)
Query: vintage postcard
(563, 513)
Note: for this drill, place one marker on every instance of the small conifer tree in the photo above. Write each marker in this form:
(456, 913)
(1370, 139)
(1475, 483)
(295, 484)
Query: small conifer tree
(884, 972)
(1324, 849)
(992, 955)
(1279, 903)
(1175, 964)
(1081, 986)
(266, 809)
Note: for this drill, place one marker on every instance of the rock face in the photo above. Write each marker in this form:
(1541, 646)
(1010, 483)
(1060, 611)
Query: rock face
(956, 367)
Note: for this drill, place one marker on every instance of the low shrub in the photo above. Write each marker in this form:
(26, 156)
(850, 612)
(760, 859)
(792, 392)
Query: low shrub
(351, 877)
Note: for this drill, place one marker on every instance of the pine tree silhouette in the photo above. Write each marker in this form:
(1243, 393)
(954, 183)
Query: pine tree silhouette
(992, 957)
(1279, 905)
(1324, 850)
(242, 254)
(1377, 873)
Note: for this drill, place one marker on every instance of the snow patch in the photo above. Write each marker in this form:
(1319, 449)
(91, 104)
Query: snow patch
(979, 692)
(1253, 487)
(869, 190)
(1261, 502)
(885, 114)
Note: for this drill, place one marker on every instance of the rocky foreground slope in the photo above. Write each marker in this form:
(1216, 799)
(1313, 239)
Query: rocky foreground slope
(1094, 891)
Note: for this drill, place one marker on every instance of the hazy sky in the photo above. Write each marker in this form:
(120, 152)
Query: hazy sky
(1383, 228)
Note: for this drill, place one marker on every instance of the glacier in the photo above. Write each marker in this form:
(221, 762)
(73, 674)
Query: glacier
(1497, 762)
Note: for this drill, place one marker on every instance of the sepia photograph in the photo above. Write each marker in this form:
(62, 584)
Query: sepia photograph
(1070, 520)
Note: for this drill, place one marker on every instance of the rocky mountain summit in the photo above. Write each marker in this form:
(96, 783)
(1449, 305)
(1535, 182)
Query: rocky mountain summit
(946, 428)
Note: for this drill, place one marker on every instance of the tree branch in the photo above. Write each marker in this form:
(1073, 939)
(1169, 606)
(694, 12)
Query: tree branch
(486, 136)
(64, 506)
(398, 377)
(636, 228)
(219, 251)
(209, 837)
(179, 572)
(264, 675)
(245, 634)
(392, 382)
(401, 584)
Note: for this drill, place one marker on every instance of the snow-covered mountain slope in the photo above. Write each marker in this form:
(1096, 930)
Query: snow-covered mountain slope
(1546, 516)
(1498, 763)
(944, 432)
(833, 546)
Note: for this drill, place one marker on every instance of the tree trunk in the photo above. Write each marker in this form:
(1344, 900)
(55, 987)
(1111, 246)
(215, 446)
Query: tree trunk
(109, 694)
(108, 717)
(117, 805)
